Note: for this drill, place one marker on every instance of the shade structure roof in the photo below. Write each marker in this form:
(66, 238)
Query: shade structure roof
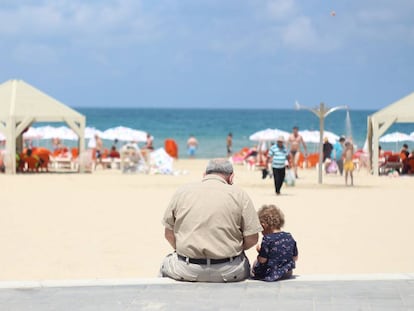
(21, 105)
(401, 111)
(21, 100)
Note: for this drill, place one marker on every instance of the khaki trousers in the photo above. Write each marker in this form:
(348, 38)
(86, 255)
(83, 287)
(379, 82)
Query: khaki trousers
(232, 271)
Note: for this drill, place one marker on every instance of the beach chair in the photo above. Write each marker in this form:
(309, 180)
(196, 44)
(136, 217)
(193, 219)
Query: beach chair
(171, 148)
(392, 163)
(312, 160)
(44, 157)
(410, 164)
(132, 160)
(161, 162)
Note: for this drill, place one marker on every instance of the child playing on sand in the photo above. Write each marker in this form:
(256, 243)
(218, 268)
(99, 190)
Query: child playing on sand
(278, 251)
(348, 163)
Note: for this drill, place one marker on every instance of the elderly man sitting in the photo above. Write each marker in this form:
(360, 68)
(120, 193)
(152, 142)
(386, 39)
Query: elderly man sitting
(209, 224)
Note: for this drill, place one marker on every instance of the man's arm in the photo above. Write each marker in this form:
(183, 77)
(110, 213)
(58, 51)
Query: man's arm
(288, 142)
(170, 237)
(250, 240)
(304, 145)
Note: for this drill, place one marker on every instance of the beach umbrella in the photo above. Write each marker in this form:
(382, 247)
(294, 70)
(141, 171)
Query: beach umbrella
(396, 137)
(314, 136)
(90, 132)
(61, 132)
(124, 134)
(33, 133)
(268, 135)
(46, 132)
(2, 137)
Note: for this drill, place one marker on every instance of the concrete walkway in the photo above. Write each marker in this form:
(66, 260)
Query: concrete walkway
(350, 292)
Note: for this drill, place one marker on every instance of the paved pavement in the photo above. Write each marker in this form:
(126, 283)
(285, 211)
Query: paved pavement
(360, 292)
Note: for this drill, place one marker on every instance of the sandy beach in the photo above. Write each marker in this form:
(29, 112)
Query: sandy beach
(108, 224)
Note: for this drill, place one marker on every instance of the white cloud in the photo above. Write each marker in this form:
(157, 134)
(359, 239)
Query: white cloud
(300, 33)
(64, 27)
(68, 19)
(281, 9)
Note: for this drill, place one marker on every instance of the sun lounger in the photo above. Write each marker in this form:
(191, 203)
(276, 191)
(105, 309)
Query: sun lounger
(392, 163)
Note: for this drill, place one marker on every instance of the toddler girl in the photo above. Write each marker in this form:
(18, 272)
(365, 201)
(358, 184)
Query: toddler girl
(278, 251)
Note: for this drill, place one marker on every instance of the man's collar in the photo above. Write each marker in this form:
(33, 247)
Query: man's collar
(214, 177)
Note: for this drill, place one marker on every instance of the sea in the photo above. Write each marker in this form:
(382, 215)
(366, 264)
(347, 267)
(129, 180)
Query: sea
(211, 126)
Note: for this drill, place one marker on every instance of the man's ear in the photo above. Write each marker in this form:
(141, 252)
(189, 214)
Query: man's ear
(231, 179)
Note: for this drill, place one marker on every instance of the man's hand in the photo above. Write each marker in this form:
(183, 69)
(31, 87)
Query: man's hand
(250, 240)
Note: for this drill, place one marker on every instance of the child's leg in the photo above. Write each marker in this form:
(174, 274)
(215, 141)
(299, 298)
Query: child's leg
(352, 178)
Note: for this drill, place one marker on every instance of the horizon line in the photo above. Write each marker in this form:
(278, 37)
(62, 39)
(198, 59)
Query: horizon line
(208, 108)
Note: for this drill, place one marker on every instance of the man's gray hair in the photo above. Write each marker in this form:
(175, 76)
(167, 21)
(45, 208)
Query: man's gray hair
(219, 166)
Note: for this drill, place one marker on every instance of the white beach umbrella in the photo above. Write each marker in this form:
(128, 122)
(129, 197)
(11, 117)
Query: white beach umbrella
(268, 135)
(62, 132)
(314, 136)
(33, 133)
(46, 132)
(90, 132)
(124, 134)
(2, 137)
(396, 137)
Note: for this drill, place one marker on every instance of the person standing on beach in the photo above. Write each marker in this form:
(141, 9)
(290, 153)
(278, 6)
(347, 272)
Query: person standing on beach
(337, 154)
(229, 144)
(210, 224)
(293, 144)
(278, 155)
(348, 162)
(149, 143)
(192, 145)
(98, 151)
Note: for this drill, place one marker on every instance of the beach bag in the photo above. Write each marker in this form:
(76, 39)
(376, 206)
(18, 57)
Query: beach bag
(332, 168)
(290, 177)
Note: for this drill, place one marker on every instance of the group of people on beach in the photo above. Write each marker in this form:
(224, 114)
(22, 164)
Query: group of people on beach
(339, 158)
(211, 223)
(98, 152)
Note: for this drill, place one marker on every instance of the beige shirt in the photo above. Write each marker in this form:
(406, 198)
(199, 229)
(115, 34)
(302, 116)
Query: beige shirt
(210, 219)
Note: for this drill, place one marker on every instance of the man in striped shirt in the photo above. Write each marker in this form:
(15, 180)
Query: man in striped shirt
(278, 155)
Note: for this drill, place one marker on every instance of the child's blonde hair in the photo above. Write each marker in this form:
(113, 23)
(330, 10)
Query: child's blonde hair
(271, 216)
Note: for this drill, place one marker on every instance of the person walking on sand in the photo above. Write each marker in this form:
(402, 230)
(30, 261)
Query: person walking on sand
(229, 144)
(210, 224)
(348, 162)
(293, 145)
(149, 145)
(192, 145)
(337, 154)
(278, 156)
(278, 252)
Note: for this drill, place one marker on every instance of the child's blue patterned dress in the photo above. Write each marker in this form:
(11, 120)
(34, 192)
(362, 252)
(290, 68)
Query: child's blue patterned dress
(279, 248)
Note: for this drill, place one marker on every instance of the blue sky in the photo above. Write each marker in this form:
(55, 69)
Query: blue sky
(211, 53)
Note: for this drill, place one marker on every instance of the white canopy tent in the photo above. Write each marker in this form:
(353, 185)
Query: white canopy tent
(21, 105)
(401, 111)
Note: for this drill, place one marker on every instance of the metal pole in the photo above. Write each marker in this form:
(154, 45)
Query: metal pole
(322, 112)
(321, 129)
